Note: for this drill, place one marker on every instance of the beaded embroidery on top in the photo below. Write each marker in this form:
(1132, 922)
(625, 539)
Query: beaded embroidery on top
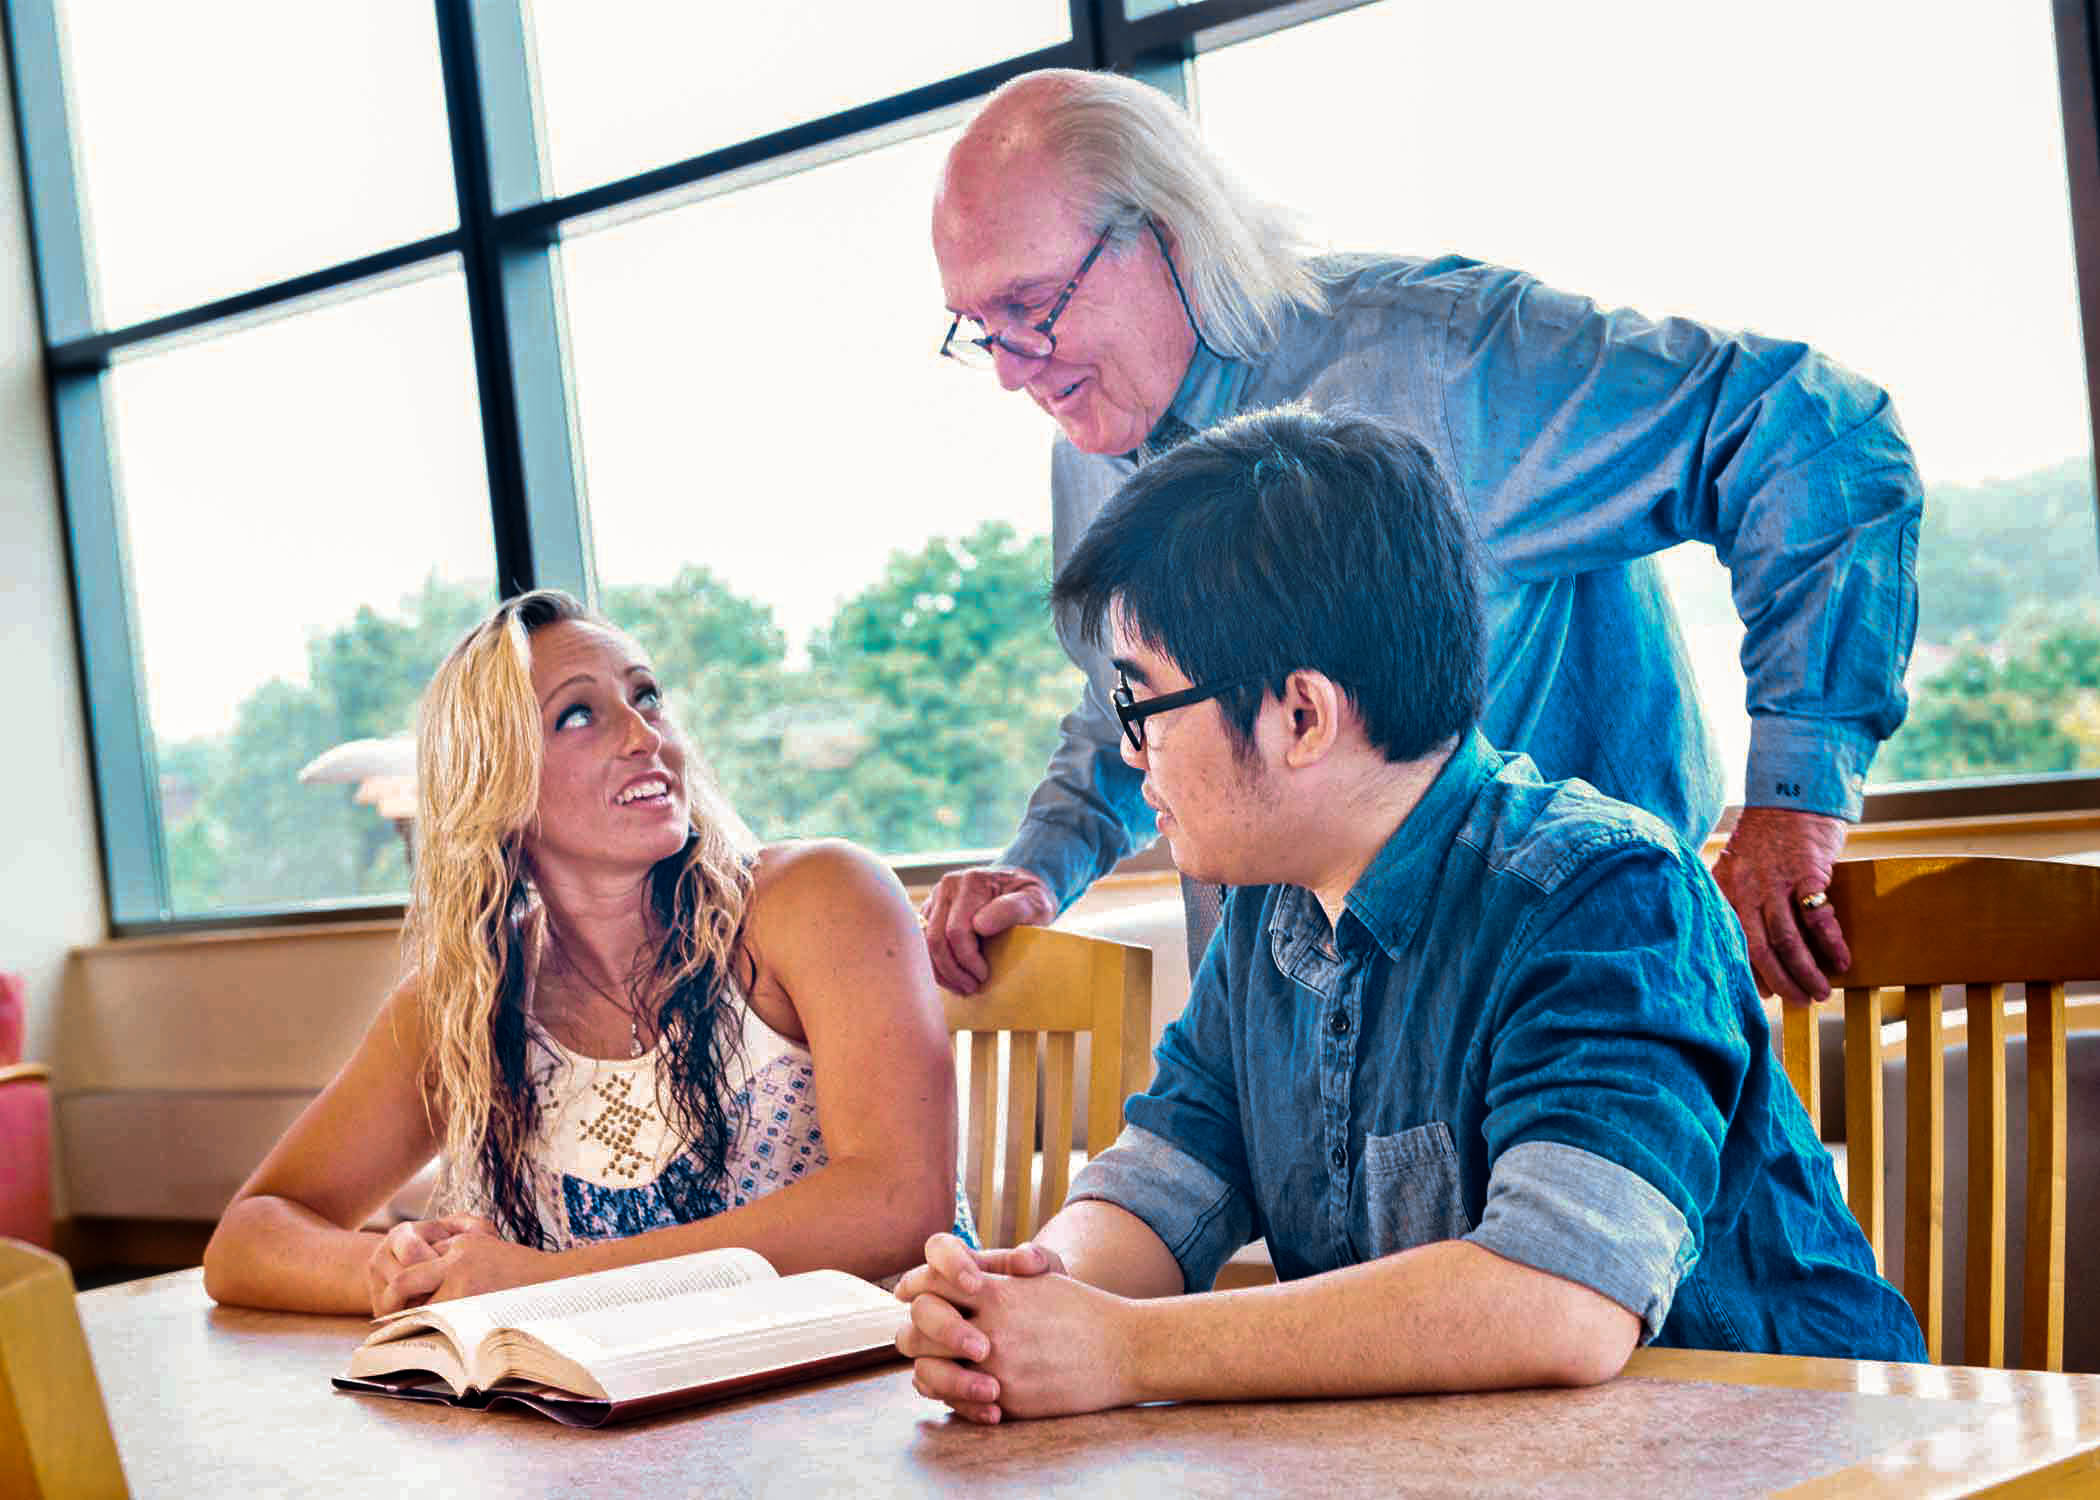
(605, 1153)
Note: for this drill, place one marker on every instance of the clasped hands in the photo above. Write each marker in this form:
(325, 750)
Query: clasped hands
(435, 1260)
(1007, 1333)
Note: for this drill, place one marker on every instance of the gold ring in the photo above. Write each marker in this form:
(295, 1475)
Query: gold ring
(1812, 900)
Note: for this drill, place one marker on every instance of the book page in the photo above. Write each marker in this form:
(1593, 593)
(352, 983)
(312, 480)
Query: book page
(423, 1351)
(468, 1321)
(651, 1281)
(704, 1336)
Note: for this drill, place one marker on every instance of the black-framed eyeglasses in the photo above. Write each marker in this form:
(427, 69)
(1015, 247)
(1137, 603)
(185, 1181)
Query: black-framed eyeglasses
(1133, 714)
(1033, 342)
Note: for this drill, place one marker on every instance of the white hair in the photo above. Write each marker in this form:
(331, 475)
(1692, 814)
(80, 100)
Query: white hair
(1136, 156)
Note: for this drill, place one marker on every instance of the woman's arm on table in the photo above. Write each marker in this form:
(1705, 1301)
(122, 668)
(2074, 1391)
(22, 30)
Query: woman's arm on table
(291, 1237)
(842, 963)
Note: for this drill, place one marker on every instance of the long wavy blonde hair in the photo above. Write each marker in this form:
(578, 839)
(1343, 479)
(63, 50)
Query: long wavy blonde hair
(478, 753)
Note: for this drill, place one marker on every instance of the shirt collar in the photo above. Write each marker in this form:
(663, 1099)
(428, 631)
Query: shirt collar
(1388, 898)
(1210, 388)
(1210, 392)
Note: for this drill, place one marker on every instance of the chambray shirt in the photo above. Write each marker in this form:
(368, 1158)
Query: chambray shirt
(1533, 1028)
(1581, 442)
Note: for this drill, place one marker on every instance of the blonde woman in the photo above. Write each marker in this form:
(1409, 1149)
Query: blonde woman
(625, 1035)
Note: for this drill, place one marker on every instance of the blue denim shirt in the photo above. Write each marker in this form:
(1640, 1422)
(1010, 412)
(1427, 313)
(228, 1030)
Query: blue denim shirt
(1533, 1028)
(1581, 442)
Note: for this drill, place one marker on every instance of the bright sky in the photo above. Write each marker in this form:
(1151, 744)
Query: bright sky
(757, 386)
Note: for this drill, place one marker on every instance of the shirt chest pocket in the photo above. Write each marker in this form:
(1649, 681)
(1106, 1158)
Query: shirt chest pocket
(1411, 1194)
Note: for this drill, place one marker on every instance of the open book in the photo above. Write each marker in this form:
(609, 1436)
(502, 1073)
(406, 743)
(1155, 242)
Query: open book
(609, 1345)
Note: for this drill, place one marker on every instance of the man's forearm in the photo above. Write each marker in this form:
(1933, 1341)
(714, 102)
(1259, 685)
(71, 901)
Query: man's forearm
(1112, 1248)
(1445, 1317)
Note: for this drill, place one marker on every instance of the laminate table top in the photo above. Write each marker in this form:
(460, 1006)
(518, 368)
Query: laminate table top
(219, 1401)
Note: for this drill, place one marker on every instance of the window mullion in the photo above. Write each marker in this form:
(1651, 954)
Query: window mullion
(126, 783)
(528, 430)
(133, 848)
(58, 230)
(2078, 73)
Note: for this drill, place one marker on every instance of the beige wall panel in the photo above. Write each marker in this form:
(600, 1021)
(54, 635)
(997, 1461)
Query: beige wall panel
(262, 1010)
(155, 1154)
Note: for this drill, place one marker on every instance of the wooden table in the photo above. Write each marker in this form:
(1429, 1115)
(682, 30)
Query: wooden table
(210, 1401)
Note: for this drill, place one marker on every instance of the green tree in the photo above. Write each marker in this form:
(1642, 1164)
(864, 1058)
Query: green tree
(241, 829)
(1987, 553)
(920, 721)
(952, 656)
(2004, 676)
(721, 661)
(2026, 709)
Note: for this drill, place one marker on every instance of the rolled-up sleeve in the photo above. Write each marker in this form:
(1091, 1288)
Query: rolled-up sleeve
(1585, 438)
(1199, 1216)
(1563, 1210)
(1617, 1063)
(1181, 1162)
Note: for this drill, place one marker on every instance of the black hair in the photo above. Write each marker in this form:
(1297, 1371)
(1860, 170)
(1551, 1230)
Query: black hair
(1288, 539)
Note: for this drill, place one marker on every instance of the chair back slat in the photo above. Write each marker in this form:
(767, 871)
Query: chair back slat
(1863, 1142)
(1122, 1057)
(1800, 1055)
(1925, 1163)
(1017, 1212)
(1060, 1048)
(1046, 989)
(2042, 1317)
(1980, 924)
(1984, 1299)
(981, 1131)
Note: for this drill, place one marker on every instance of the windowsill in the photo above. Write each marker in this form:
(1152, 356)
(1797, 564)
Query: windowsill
(2063, 832)
(1142, 877)
(2056, 834)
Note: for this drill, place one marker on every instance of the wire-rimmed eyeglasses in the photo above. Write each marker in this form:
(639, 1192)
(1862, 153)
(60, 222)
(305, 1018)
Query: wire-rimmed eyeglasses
(1033, 341)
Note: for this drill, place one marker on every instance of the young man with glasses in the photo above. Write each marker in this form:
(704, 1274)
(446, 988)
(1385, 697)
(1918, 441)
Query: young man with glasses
(1095, 254)
(1478, 1053)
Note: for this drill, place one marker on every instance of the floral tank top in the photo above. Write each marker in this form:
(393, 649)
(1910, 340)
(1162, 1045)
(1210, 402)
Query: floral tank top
(605, 1152)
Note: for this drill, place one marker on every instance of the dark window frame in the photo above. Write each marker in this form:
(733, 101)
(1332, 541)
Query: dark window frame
(505, 239)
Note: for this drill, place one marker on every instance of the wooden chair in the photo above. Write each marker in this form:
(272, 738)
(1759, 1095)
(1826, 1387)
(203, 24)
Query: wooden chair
(55, 1442)
(1047, 989)
(1913, 925)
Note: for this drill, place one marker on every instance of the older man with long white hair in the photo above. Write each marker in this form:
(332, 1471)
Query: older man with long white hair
(1096, 254)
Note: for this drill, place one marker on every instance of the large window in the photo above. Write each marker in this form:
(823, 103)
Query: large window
(294, 580)
(231, 143)
(890, 675)
(1649, 154)
(359, 316)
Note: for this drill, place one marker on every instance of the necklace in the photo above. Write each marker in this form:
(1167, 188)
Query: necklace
(632, 1007)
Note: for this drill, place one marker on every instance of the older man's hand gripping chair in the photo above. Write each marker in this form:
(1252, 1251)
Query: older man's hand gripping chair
(25, 1129)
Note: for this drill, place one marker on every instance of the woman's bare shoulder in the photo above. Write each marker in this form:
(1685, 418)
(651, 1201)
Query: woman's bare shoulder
(404, 1019)
(790, 875)
(816, 899)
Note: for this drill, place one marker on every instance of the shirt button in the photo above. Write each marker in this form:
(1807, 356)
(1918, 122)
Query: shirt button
(1339, 1157)
(1338, 1023)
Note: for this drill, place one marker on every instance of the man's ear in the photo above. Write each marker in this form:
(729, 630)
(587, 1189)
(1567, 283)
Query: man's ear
(1313, 707)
